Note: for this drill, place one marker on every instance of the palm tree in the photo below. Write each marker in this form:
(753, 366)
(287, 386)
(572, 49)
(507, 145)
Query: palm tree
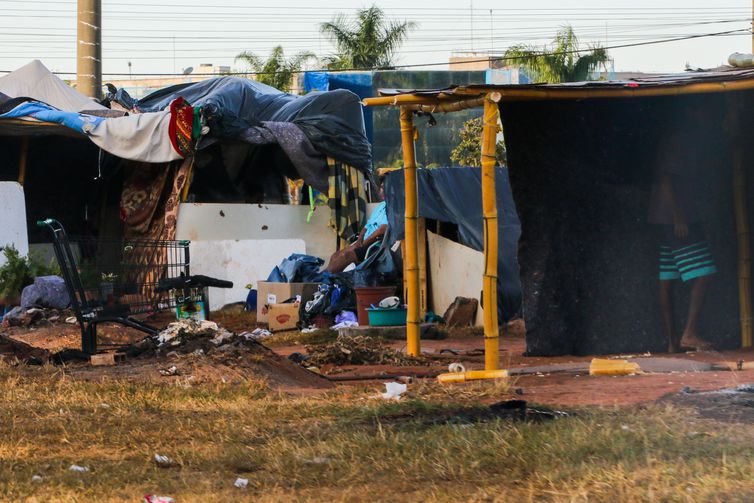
(276, 71)
(369, 41)
(560, 62)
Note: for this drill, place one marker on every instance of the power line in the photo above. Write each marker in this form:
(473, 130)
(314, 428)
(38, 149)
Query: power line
(416, 65)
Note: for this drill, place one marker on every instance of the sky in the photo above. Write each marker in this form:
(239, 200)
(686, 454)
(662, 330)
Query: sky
(165, 37)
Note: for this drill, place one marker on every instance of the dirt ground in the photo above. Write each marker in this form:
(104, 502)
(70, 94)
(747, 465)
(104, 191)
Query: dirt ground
(556, 387)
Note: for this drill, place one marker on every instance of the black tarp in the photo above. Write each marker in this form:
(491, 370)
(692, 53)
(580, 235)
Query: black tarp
(455, 195)
(332, 121)
(581, 172)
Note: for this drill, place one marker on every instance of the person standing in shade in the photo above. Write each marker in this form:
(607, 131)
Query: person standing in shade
(684, 253)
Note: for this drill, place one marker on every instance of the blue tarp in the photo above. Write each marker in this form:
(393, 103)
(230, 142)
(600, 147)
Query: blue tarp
(455, 195)
(80, 123)
(358, 83)
(333, 121)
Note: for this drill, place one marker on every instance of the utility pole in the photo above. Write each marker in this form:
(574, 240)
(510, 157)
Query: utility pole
(89, 48)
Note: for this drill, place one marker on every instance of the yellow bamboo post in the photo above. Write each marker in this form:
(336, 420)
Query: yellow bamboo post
(742, 224)
(23, 157)
(489, 208)
(411, 266)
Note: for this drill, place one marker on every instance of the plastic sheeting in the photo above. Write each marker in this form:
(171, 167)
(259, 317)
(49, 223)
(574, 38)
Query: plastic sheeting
(455, 195)
(333, 121)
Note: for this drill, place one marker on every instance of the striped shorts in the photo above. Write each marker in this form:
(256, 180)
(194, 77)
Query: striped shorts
(686, 260)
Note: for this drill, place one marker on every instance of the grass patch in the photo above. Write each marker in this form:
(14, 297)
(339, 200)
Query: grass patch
(346, 445)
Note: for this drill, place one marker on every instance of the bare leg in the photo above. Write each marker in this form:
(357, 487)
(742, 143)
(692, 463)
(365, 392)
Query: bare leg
(666, 305)
(690, 337)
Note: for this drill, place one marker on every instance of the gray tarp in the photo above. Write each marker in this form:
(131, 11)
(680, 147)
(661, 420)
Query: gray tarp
(455, 195)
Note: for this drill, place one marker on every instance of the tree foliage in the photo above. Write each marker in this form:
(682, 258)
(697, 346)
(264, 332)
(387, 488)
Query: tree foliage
(277, 71)
(368, 41)
(559, 62)
(469, 151)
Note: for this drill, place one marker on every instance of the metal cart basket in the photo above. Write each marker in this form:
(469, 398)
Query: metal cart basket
(115, 280)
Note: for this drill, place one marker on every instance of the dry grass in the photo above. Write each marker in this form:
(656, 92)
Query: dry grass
(347, 445)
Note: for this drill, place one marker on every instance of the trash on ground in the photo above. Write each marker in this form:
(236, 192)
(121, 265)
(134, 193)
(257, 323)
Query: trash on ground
(257, 334)
(241, 483)
(36, 478)
(77, 468)
(163, 461)
(309, 330)
(153, 498)
(605, 367)
(394, 390)
(358, 350)
(456, 367)
(170, 371)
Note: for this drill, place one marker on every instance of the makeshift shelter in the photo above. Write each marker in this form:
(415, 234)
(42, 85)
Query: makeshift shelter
(225, 139)
(582, 158)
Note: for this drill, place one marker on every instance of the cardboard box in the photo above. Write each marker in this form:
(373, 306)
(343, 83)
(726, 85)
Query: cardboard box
(275, 293)
(283, 316)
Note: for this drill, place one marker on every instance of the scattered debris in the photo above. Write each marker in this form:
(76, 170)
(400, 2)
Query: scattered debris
(456, 367)
(77, 468)
(46, 291)
(405, 379)
(241, 483)
(358, 350)
(170, 371)
(33, 317)
(153, 498)
(36, 478)
(519, 391)
(687, 390)
(11, 349)
(71, 320)
(297, 357)
(258, 334)
(164, 461)
(394, 390)
(102, 359)
(310, 329)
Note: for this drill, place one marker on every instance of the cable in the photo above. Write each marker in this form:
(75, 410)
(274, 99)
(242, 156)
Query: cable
(416, 65)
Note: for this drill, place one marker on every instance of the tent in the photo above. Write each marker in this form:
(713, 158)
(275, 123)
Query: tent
(231, 139)
(582, 158)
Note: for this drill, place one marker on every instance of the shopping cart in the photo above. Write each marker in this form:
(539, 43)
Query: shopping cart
(111, 281)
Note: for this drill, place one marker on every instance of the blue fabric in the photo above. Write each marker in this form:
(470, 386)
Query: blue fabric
(44, 112)
(455, 195)
(376, 219)
(316, 81)
(298, 268)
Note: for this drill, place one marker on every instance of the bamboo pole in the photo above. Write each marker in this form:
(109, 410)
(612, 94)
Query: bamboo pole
(489, 208)
(742, 224)
(411, 266)
(471, 93)
(23, 158)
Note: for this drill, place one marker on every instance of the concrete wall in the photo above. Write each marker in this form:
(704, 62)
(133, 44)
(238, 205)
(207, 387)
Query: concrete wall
(13, 218)
(213, 222)
(455, 270)
(242, 262)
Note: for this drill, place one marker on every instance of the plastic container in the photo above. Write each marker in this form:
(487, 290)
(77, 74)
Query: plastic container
(368, 295)
(387, 317)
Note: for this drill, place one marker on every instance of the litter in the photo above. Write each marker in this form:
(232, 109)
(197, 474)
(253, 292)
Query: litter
(171, 371)
(153, 498)
(71, 320)
(163, 461)
(36, 478)
(456, 367)
(257, 334)
(77, 468)
(394, 390)
(309, 330)
(241, 483)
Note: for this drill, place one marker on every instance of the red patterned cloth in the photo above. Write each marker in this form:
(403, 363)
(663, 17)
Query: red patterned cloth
(181, 126)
